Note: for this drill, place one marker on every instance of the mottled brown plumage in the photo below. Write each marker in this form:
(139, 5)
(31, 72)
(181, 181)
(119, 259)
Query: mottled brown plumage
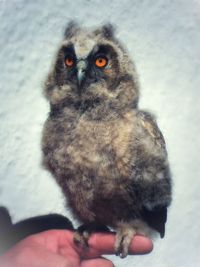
(108, 156)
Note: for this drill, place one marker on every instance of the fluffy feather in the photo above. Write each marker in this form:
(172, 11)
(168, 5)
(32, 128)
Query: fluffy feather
(108, 156)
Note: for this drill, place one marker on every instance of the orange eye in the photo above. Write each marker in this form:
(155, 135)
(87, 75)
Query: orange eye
(69, 62)
(101, 62)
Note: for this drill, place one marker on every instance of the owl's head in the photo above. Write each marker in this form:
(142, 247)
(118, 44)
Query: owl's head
(92, 68)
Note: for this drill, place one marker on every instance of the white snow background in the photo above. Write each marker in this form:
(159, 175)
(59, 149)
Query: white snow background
(163, 37)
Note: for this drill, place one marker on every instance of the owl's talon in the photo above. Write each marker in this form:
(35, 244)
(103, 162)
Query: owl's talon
(124, 236)
(81, 239)
(83, 233)
(122, 250)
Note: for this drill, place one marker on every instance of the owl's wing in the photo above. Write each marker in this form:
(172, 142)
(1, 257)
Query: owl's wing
(154, 185)
(149, 125)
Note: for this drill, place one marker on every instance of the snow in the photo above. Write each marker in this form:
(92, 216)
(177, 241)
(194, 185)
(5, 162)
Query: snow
(163, 38)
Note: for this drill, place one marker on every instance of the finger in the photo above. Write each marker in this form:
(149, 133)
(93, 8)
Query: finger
(101, 243)
(141, 245)
(100, 262)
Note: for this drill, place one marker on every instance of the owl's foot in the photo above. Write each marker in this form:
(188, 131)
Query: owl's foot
(81, 239)
(83, 233)
(123, 239)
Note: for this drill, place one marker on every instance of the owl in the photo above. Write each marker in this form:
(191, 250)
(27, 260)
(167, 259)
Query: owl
(108, 156)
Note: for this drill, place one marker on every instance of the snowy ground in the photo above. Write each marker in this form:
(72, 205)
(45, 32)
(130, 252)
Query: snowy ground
(163, 37)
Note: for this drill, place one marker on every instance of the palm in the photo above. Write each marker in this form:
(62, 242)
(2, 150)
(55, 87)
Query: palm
(56, 248)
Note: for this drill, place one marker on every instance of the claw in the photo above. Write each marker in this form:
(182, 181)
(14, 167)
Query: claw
(83, 233)
(81, 239)
(123, 240)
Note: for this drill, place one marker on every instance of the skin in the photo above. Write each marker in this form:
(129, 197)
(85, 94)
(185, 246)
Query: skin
(55, 248)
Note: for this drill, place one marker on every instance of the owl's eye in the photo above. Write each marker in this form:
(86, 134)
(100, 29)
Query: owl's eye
(69, 61)
(101, 61)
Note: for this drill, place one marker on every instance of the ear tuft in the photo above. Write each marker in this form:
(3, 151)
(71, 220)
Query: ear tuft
(107, 31)
(71, 29)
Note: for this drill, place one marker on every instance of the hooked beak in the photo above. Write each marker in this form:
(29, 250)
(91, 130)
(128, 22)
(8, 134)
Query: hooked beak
(81, 69)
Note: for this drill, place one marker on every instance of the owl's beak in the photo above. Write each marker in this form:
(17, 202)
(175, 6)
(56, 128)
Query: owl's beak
(81, 69)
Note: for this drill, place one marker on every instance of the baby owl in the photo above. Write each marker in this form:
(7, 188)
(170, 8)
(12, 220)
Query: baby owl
(108, 156)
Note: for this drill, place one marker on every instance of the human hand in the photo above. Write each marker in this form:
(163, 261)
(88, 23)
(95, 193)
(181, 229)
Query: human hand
(56, 248)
